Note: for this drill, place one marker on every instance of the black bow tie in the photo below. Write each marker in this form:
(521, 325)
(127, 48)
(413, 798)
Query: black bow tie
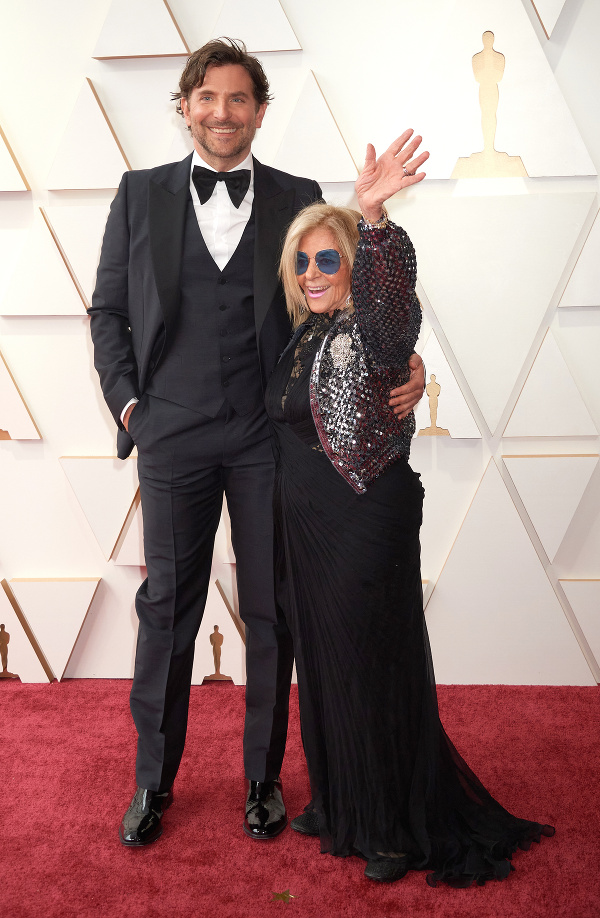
(237, 183)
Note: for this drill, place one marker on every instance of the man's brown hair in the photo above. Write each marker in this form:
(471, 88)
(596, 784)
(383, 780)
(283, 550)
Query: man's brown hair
(217, 53)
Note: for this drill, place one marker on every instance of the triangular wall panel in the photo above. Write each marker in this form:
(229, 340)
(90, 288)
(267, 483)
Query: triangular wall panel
(223, 550)
(105, 488)
(550, 404)
(139, 28)
(16, 421)
(428, 586)
(41, 284)
(533, 119)
(450, 472)
(55, 610)
(181, 145)
(453, 414)
(490, 628)
(548, 12)
(13, 242)
(12, 177)
(78, 232)
(25, 657)
(130, 546)
(551, 488)
(262, 25)
(584, 598)
(487, 284)
(583, 288)
(89, 154)
(327, 160)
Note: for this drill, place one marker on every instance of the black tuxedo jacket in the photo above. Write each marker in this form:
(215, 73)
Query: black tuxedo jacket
(136, 300)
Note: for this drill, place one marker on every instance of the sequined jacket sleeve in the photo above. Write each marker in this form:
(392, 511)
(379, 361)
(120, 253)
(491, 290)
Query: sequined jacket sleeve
(383, 289)
(364, 356)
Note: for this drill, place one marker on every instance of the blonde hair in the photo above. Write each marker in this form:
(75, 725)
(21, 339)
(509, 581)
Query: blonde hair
(342, 224)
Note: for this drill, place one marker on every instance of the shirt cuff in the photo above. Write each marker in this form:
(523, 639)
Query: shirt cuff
(132, 401)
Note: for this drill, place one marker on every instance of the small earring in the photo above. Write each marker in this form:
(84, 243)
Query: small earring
(349, 301)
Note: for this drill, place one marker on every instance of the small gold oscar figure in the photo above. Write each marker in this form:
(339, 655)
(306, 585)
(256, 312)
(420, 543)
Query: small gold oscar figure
(488, 69)
(216, 640)
(433, 390)
(4, 639)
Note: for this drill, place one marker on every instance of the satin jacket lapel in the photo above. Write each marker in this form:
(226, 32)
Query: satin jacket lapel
(273, 210)
(167, 202)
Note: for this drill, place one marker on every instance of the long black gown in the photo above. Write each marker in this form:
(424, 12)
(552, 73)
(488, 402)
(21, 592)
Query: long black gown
(384, 776)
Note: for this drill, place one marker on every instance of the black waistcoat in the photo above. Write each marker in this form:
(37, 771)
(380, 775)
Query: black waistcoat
(212, 356)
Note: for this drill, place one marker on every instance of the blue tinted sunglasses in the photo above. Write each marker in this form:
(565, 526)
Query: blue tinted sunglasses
(328, 261)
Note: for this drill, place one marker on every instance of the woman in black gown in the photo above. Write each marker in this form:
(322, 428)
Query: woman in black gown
(387, 783)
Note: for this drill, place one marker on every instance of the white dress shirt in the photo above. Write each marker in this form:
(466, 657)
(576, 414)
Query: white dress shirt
(221, 224)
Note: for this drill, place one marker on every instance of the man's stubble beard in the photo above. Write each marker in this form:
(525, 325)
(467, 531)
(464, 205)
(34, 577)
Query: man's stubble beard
(202, 137)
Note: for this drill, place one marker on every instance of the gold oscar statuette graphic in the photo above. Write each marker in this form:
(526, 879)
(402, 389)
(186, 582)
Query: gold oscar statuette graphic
(216, 640)
(433, 390)
(488, 69)
(4, 640)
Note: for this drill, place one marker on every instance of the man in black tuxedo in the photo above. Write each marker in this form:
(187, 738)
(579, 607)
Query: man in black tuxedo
(188, 320)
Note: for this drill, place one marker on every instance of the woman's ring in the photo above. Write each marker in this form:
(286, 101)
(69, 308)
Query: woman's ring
(406, 172)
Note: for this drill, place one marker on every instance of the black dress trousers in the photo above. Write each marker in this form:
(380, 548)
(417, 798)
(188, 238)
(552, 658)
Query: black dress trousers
(186, 462)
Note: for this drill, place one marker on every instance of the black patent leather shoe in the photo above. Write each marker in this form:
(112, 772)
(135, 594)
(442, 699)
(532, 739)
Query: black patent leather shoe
(388, 869)
(307, 823)
(142, 823)
(265, 810)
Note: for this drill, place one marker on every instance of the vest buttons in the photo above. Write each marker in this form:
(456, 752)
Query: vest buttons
(223, 332)
(223, 281)
(222, 307)
(225, 383)
(225, 359)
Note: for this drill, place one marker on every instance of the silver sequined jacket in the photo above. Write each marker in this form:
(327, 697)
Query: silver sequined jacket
(364, 355)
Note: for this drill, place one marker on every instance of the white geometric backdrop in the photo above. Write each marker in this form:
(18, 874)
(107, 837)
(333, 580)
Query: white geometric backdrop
(509, 281)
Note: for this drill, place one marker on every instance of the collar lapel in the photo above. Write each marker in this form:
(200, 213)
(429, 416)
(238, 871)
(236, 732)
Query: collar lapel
(167, 202)
(273, 209)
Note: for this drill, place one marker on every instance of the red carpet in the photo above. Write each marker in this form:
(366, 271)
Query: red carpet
(66, 760)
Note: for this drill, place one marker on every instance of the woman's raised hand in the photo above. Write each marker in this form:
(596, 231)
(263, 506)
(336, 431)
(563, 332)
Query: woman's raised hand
(394, 170)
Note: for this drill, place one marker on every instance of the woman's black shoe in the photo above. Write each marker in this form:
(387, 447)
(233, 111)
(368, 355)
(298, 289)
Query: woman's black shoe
(388, 869)
(307, 823)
